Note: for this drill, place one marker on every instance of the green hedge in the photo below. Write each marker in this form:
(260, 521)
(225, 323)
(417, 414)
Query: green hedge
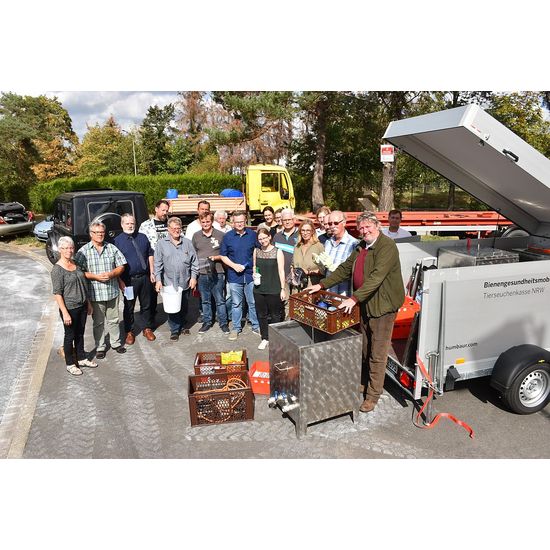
(42, 195)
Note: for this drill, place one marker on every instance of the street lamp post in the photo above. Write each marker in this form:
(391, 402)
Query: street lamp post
(133, 150)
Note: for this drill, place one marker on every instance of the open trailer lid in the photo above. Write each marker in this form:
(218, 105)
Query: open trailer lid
(470, 148)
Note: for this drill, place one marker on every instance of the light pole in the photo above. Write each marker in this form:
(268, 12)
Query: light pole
(133, 149)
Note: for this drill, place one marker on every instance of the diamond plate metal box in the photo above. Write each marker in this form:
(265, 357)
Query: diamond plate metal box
(314, 375)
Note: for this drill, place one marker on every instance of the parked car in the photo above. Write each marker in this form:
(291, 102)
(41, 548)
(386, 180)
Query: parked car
(41, 229)
(15, 219)
(74, 211)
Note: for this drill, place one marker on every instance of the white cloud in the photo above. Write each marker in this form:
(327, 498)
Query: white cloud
(128, 108)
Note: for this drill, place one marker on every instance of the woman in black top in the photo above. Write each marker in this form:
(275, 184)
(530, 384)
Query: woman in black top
(269, 283)
(70, 289)
(269, 217)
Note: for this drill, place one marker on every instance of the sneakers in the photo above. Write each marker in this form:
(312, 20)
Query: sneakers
(87, 363)
(174, 337)
(233, 336)
(263, 344)
(367, 406)
(225, 329)
(256, 331)
(100, 355)
(120, 349)
(74, 370)
(205, 328)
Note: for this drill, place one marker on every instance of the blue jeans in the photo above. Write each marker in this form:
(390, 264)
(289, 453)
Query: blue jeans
(212, 284)
(238, 292)
(177, 320)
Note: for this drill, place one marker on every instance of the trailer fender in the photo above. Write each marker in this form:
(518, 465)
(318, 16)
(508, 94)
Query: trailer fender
(513, 361)
(522, 376)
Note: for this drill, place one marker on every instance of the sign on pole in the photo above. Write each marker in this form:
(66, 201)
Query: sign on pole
(387, 153)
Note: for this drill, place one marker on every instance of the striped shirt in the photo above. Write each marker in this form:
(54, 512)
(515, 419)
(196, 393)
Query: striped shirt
(89, 259)
(339, 253)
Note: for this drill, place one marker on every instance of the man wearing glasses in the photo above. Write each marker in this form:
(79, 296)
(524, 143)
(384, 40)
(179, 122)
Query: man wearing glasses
(176, 265)
(339, 247)
(236, 253)
(102, 264)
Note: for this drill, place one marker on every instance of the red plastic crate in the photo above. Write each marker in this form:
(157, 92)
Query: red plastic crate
(259, 377)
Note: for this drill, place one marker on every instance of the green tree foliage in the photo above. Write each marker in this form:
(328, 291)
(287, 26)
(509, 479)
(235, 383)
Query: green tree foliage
(37, 142)
(352, 130)
(157, 132)
(522, 113)
(251, 127)
(105, 151)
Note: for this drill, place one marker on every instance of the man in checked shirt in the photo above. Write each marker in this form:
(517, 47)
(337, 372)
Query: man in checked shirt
(103, 263)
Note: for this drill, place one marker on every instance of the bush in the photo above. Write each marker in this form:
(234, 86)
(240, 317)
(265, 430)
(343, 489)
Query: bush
(42, 195)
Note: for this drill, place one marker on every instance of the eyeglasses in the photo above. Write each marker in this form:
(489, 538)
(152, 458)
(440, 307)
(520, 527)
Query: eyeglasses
(334, 223)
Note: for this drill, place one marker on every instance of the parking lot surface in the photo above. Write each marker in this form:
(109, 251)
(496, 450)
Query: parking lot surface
(135, 405)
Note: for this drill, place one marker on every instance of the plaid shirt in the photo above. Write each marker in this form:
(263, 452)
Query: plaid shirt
(339, 253)
(89, 259)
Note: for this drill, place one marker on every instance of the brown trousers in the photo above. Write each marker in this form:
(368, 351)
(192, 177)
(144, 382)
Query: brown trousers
(376, 332)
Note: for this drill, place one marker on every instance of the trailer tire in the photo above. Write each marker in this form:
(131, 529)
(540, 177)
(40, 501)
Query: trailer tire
(522, 376)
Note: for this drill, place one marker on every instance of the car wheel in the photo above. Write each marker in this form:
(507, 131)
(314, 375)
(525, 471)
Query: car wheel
(530, 390)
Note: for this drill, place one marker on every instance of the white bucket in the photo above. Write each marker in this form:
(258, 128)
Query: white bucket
(171, 299)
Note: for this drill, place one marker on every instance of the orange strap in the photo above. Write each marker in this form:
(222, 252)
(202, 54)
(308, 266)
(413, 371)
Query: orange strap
(439, 416)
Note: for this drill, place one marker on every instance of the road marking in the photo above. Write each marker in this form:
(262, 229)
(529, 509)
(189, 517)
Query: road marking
(17, 419)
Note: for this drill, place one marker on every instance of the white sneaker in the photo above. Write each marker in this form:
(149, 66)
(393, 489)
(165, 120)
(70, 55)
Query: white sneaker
(263, 344)
(74, 370)
(233, 335)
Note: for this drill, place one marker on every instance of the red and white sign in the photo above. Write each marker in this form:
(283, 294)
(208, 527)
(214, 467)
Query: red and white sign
(387, 153)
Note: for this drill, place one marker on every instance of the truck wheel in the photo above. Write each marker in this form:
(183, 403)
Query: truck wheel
(530, 390)
(51, 251)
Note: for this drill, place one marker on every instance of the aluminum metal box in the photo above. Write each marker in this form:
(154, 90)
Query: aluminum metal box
(314, 375)
(463, 256)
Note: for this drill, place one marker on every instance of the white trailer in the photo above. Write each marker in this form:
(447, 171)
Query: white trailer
(480, 320)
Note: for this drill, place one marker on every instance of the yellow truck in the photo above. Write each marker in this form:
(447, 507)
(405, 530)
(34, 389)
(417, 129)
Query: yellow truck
(263, 185)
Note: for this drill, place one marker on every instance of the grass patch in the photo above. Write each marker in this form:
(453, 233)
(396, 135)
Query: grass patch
(23, 240)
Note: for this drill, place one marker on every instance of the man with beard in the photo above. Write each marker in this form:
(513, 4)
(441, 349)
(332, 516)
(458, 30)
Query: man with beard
(377, 286)
(155, 229)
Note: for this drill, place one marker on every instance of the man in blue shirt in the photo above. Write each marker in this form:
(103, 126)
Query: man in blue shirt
(237, 254)
(135, 281)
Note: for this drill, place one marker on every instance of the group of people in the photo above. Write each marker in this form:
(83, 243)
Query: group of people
(241, 274)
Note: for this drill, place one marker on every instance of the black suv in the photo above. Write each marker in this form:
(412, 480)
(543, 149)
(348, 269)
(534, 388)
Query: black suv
(74, 211)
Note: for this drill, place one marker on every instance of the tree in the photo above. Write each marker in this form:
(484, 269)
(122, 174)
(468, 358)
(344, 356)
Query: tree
(157, 133)
(250, 127)
(36, 142)
(105, 151)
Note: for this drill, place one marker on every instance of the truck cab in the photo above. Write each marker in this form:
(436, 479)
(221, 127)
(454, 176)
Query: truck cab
(268, 185)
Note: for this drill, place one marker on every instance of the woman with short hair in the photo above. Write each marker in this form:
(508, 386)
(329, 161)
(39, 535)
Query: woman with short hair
(70, 289)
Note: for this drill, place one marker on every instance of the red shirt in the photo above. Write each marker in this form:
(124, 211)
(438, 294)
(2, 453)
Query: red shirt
(359, 269)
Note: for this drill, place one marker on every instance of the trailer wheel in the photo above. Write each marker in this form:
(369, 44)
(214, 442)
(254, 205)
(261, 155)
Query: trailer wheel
(530, 390)
(515, 231)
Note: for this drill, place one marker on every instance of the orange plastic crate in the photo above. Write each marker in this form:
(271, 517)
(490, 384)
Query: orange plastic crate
(404, 319)
(259, 377)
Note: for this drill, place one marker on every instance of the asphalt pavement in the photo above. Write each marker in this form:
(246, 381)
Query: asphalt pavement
(135, 405)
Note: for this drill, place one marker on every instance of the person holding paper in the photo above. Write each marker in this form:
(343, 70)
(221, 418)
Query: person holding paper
(134, 281)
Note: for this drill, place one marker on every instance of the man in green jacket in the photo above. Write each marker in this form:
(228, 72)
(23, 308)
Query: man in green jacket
(375, 273)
